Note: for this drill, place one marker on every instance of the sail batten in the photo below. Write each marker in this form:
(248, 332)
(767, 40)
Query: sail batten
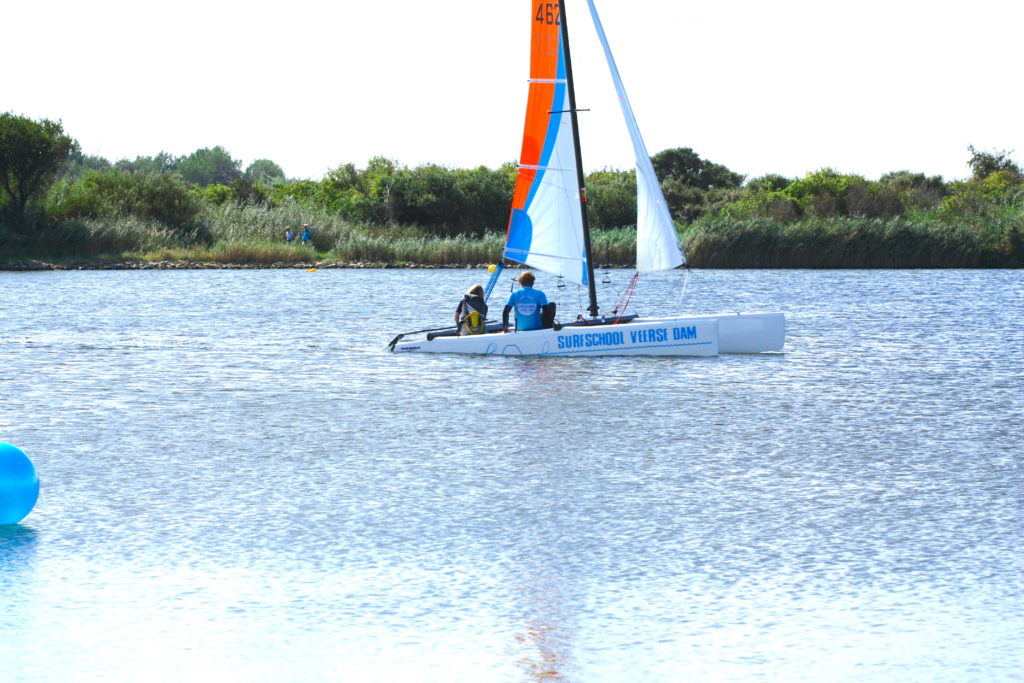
(546, 168)
(552, 256)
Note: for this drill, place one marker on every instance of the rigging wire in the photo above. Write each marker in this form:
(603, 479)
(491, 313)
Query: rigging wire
(627, 294)
(686, 281)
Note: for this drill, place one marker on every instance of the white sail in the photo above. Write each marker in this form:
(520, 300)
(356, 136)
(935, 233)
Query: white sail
(657, 243)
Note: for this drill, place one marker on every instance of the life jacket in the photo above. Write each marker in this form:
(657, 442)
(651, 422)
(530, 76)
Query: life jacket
(474, 314)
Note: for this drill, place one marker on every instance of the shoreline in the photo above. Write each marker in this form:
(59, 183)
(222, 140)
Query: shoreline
(36, 265)
(26, 265)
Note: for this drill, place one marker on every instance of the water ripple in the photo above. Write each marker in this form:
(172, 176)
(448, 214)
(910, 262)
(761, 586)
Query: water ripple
(239, 481)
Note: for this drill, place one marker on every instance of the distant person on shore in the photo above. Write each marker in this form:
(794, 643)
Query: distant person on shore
(307, 236)
(528, 303)
(471, 313)
(289, 235)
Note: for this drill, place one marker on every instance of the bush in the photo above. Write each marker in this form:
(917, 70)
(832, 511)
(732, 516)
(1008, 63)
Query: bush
(611, 199)
(218, 194)
(771, 204)
(113, 194)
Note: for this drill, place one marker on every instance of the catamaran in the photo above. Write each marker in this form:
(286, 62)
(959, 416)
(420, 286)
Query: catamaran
(548, 231)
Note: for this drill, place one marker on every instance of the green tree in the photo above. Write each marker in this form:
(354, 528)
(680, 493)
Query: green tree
(31, 155)
(611, 199)
(772, 182)
(425, 196)
(264, 172)
(984, 164)
(246, 191)
(685, 202)
(691, 185)
(161, 163)
(774, 205)
(79, 164)
(342, 190)
(299, 191)
(825, 193)
(377, 181)
(209, 167)
(484, 197)
(686, 167)
(344, 177)
(218, 194)
(998, 193)
(912, 191)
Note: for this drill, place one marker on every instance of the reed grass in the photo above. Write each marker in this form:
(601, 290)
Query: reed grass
(246, 223)
(427, 251)
(921, 241)
(230, 253)
(254, 235)
(94, 239)
(614, 247)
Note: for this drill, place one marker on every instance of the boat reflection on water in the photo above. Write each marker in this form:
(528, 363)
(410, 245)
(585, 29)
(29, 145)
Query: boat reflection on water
(546, 638)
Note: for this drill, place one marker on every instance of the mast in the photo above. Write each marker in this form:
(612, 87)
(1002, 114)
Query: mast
(591, 287)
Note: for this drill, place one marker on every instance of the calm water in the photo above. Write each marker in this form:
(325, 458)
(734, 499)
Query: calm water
(238, 481)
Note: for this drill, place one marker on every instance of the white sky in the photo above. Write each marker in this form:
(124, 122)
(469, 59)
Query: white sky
(783, 87)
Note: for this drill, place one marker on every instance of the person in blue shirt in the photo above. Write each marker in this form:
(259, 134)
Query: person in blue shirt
(528, 303)
(307, 235)
(289, 235)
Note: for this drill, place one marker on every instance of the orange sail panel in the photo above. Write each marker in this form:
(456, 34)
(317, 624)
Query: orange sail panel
(545, 229)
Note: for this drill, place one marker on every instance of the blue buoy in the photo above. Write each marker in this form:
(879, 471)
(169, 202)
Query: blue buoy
(19, 484)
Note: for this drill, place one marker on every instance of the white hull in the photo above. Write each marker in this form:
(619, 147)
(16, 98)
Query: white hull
(705, 335)
(749, 332)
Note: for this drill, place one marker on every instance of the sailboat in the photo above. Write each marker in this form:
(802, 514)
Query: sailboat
(548, 231)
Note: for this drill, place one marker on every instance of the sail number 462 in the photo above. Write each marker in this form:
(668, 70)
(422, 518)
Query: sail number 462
(549, 13)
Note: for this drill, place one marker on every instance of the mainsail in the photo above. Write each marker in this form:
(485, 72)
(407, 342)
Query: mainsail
(657, 243)
(545, 229)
